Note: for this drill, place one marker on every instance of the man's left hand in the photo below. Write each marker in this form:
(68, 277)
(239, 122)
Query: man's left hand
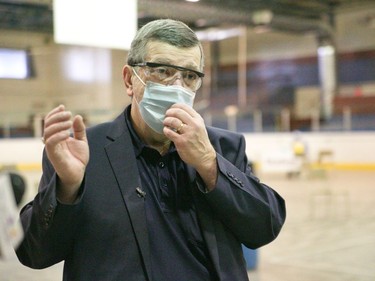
(185, 127)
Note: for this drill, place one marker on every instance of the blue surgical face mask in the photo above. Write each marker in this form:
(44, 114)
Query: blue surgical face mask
(157, 98)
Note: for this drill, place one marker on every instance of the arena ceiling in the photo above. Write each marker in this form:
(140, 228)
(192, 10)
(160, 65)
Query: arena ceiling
(36, 15)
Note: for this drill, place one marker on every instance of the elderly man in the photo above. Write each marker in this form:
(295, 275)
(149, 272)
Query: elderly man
(154, 194)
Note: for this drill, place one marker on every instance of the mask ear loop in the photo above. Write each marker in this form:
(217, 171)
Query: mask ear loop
(139, 78)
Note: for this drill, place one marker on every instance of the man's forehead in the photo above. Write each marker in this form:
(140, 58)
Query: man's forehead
(165, 53)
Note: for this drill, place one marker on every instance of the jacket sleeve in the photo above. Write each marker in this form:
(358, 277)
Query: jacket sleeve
(251, 210)
(48, 225)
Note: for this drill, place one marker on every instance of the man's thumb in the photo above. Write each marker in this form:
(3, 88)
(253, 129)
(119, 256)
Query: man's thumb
(79, 128)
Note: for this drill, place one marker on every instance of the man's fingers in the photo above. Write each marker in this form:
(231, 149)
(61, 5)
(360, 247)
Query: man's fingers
(55, 110)
(184, 107)
(174, 123)
(59, 116)
(61, 128)
(58, 126)
(79, 128)
(57, 138)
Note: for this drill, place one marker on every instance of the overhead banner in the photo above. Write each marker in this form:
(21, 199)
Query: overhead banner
(97, 23)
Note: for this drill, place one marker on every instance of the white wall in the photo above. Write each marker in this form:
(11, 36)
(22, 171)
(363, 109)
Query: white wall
(354, 150)
(85, 79)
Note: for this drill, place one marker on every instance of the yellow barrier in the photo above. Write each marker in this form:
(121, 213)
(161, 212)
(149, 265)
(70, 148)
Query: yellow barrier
(344, 166)
(23, 167)
(332, 166)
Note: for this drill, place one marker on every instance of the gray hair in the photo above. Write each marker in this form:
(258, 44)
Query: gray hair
(175, 33)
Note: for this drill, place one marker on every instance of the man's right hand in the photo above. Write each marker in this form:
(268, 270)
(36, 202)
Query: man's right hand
(68, 155)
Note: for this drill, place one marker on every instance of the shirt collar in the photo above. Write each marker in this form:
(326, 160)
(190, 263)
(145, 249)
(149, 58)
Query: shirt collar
(138, 144)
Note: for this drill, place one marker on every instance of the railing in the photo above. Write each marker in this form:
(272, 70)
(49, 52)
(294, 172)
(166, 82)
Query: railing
(257, 120)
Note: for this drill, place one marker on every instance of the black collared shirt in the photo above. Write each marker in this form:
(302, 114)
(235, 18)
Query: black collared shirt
(178, 250)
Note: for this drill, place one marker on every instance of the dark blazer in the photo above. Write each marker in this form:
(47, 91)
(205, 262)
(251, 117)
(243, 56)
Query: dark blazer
(103, 235)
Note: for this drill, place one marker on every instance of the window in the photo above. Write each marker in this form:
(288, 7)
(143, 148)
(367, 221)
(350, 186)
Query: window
(15, 64)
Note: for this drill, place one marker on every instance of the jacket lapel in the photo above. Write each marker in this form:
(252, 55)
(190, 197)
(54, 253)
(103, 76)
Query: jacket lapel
(123, 162)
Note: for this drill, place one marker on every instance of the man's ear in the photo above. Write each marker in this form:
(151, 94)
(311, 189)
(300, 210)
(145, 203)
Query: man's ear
(126, 76)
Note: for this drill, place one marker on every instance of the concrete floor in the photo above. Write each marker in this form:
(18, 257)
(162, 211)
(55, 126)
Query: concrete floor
(329, 234)
(330, 230)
